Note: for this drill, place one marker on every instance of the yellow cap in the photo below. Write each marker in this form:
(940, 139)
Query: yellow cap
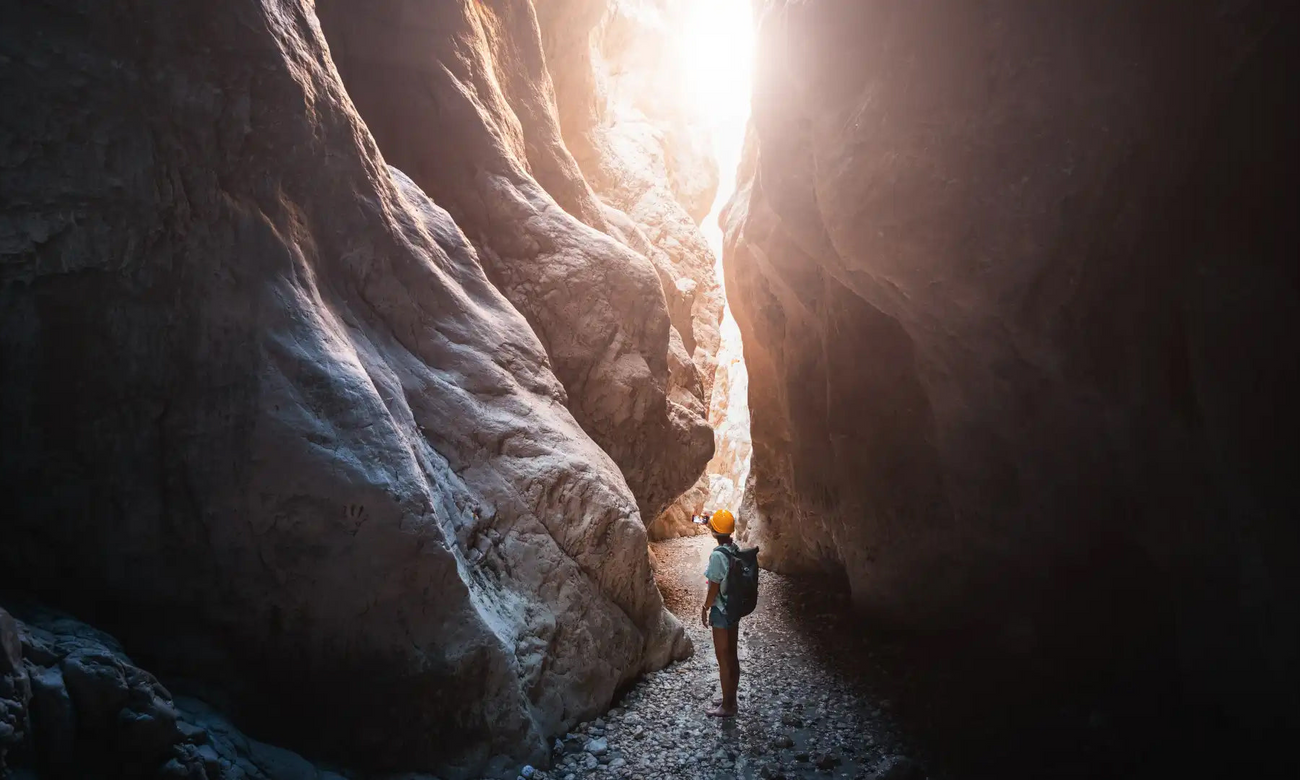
(722, 522)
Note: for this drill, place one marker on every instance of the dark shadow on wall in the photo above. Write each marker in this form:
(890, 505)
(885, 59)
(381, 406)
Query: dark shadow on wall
(1141, 615)
(963, 708)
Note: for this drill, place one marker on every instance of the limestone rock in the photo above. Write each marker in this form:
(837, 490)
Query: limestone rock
(1012, 279)
(728, 471)
(458, 95)
(677, 520)
(618, 77)
(265, 417)
(723, 484)
(645, 149)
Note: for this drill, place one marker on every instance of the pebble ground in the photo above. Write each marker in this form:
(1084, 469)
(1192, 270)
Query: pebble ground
(800, 714)
(824, 694)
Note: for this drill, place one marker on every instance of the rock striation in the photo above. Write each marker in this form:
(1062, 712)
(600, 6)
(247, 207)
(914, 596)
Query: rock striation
(723, 484)
(459, 96)
(618, 74)
(1012, 279)
(288, 429)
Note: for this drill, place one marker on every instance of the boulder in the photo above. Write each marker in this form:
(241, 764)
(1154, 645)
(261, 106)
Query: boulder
(93, 712)
(15, 691)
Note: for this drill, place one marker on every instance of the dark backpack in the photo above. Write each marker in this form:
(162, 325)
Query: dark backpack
(741, 585)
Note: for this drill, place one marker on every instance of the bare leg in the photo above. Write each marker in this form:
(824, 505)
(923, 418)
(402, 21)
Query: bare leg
(732, 684)
(733, 650)
(724, 647)
(732, 662)
(723, 656)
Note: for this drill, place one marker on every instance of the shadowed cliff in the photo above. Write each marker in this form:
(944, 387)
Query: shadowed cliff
(1016, 283)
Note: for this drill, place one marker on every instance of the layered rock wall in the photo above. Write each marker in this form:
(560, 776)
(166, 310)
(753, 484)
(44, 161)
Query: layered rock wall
(620, 83)
(266, 412)
(1013, 279)
(459, 96)
(620, 77)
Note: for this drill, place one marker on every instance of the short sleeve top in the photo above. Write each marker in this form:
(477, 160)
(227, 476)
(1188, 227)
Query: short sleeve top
(719, 563)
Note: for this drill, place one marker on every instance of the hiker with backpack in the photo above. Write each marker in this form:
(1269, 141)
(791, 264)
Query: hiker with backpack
(733, 592)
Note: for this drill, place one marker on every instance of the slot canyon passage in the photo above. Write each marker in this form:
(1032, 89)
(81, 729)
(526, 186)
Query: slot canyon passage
(363, 363)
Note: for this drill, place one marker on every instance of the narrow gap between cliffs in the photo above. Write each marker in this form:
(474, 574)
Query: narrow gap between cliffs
(718, 45)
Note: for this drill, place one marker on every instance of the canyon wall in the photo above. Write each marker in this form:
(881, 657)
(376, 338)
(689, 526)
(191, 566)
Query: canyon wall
(303, 437)
(619, 74)
(1016, 282)
(728, 471)
(74, 705)
(459, 96)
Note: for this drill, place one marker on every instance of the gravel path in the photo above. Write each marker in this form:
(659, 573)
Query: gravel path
(800, 713)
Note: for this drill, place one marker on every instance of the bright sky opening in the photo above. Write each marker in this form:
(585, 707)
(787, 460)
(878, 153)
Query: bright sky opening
(717, 47)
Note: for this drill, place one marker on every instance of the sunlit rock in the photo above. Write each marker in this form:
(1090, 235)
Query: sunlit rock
(458, 95)
(722, 485)
(628, 80)
(266, 418)
(622, 87)
(728, 471)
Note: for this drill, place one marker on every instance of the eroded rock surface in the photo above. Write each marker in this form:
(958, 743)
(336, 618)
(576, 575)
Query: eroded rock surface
(1012, 279)
(620, 80)
(620, 76)
(458, 95)
(265, 417)
(723, 484)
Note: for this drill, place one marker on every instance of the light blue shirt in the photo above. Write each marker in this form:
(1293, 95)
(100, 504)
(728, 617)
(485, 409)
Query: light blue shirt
(719, 563)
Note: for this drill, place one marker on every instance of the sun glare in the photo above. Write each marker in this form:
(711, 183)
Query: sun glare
(717, 50)
(716, 60)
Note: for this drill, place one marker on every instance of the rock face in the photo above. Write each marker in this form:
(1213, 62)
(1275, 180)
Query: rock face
(1012, 279)
(618, 74)
(86, 710)
(458, 96)
(728, 471)
(15, 692)
(265, 417)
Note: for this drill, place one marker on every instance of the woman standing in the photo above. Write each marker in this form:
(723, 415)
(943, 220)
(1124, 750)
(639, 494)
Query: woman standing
(714, 613)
